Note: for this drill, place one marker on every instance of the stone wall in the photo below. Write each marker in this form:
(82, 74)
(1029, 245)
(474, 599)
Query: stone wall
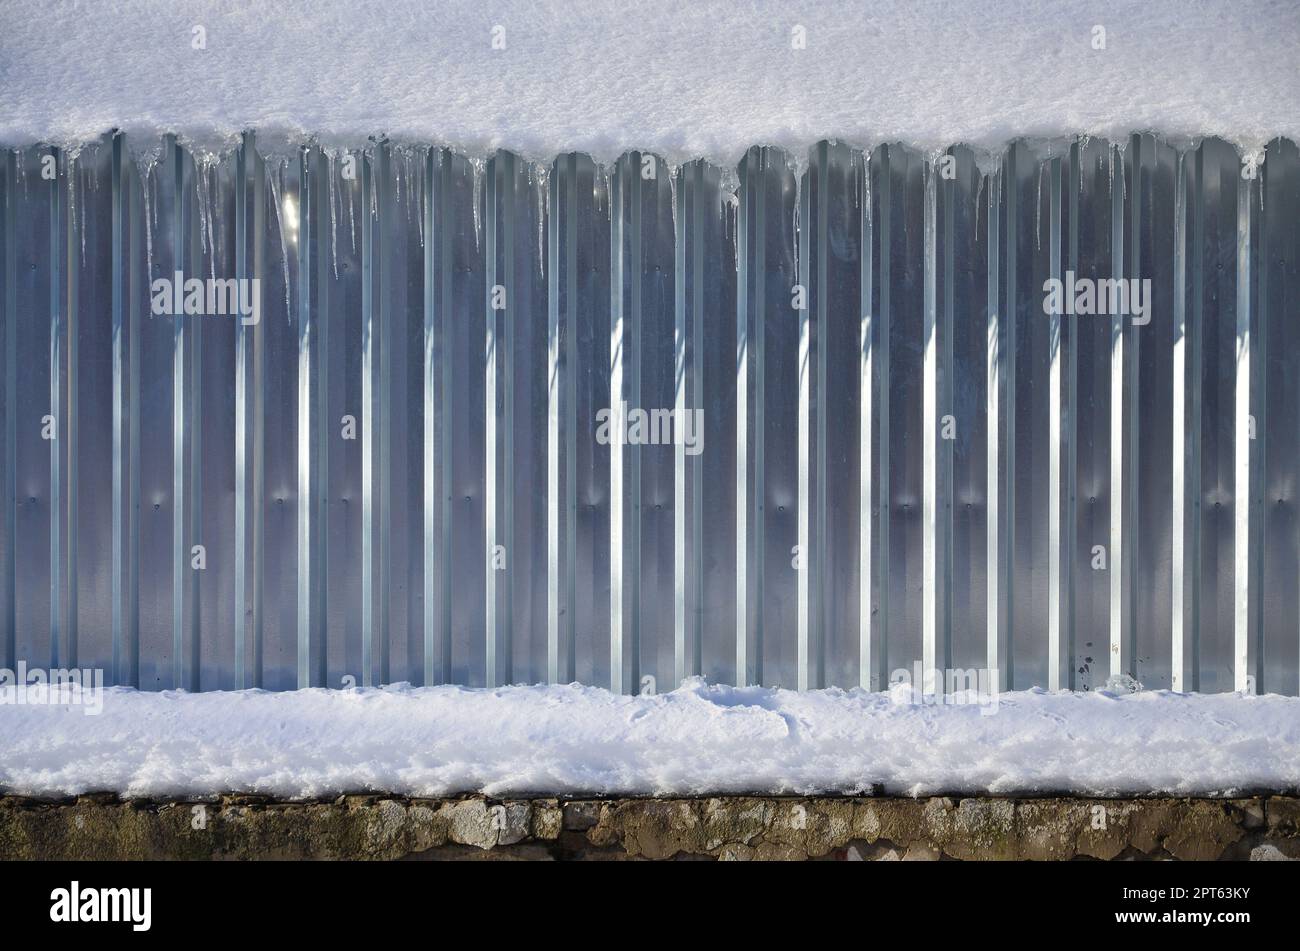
(733, 828)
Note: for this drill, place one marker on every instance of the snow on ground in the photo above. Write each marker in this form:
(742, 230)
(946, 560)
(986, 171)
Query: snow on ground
(434, 741)
(688, 79)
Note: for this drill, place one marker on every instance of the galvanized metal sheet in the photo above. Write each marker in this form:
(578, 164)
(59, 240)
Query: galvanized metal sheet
(808, 424)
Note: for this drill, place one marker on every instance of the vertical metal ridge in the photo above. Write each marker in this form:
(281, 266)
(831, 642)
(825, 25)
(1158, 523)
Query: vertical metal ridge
(625, 391)
(10, 466)
(554, 414)
(437, 507)
(1132, 414)
(930, 434)
(947, 400)
(685, 391)
(805, 412)
(1120, 659)
(499, 199)
(194, 442)
(243, 356)
(758, 501)
(491, 436)
(258, 410)
(312, 437)
(431, 565)
(867, 679)
(1242, 450)
(617, 360)
(1057, 570)
(679, 408)
(137, 292)
(697, 401)
(750, 415)
(884, 319)
(446, 322)
(743, 393)
(69, 426)
(820, 563)
(386, 207)
(1009, 381)
(1179, 457)
(507, 357)
(572, 369)
(307, 418)
(316, 229)
(562, 420)
(1195, 355)
(371, 571)
(56, 329)
(123, 516)
(249, 468)
(996, 661)
(1070, 343)
(633, 346)
(180, 498)
(1259, 433)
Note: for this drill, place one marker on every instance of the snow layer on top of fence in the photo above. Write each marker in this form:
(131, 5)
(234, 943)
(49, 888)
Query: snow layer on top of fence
(700, 79)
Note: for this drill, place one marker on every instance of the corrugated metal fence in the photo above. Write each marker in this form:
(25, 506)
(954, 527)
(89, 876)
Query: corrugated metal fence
(402, 470)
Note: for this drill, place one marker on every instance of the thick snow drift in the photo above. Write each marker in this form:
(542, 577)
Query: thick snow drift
(698, 739)
(687, 79)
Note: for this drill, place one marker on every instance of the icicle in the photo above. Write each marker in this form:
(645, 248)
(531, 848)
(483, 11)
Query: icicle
(375, 185)
(73, 226)
(729, 183)
(202, 207)
(798, 190)
(352, 217)
(1038, 213)
(86, 174)
(1259, 162)
(334, 223)
(865, 205)
(148, 221)
(402, 199)
(1179, 197)
(202, 173)
(476, 168)
(733, 229)
(210, 199)
(1082, 146)
(672, 199)
(543, 189)
(423, 209)
(284, 247)
(396, 171)
(415, 187)
(601, 176)
(200, 191)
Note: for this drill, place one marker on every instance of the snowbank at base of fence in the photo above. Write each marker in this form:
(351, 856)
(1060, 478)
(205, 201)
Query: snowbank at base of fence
(436, 741)
(706, 78)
